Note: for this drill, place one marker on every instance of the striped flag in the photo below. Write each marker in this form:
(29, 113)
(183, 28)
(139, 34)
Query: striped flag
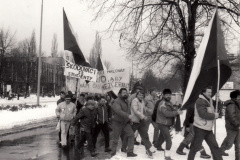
(205, 68)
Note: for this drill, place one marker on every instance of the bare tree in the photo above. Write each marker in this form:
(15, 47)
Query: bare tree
(107, 64)
(54, 49)
(95, 51)
(166, 30)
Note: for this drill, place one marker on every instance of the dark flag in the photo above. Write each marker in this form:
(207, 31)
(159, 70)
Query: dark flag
(205, 69)
(70, 43)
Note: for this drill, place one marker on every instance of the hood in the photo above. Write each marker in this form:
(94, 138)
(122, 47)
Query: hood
(226, 103)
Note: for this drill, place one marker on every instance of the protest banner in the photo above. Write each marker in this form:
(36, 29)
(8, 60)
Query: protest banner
(78, 71)
(111, 80)
(92, 87)
(115, 79)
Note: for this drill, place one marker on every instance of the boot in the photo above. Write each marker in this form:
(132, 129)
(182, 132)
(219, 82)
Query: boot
(136, 142)
(224, 153)
(93, 154)
(180, 149)
(167, 155)
(160, 148)
(204, 155)
(131, 154)
(149, 153)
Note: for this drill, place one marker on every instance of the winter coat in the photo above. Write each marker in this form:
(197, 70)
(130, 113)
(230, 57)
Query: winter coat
(204, 113)
(150, 104)
(88, 119)
(131, 98)
(102, 114)
(65, 111)
(120, 111)
(166, 113)
(137, 110)
(232, 114)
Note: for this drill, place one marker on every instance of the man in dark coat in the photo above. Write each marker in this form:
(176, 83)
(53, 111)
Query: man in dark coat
(88, 116)
(232, 123)
(121, 119)
(102, 123)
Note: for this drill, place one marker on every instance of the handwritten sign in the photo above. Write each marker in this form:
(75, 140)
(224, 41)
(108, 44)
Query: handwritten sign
(78, 71)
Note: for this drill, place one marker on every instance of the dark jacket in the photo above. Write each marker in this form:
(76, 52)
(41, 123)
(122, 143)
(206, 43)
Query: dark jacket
(102, 114)
(166, 113)
(120, 111)
(232, 114)
(79, 106)
(204, 113)
(88, 119)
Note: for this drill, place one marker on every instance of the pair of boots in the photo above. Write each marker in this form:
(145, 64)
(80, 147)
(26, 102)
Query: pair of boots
(203, 153)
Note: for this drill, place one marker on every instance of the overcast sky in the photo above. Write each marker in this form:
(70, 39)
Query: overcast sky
(23, 16)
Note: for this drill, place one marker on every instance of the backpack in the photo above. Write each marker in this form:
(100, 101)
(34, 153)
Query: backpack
(154, 115)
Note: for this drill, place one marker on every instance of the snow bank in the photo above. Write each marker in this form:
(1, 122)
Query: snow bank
(10, 119)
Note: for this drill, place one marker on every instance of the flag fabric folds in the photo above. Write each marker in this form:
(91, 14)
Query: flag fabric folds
(205, 68)
(70, 43)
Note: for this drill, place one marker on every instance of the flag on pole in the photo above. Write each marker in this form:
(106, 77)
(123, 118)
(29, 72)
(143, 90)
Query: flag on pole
(205, 68)
(99, 65)
(70, 43)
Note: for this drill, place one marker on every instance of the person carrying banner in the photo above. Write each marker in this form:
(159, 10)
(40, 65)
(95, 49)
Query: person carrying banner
(232, 124)
(165, 119)
(65, 111)
(88, 116)
(189, 134)
(140, 121)
(121, 119)
(204, 117)
(102, 123)
(151, 101)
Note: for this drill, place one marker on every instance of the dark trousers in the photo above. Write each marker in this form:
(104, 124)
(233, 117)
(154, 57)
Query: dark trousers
(85, 136)
(232, 138)
(164, 136)
(105, 130)
(117, 129)
(142, 129)
(156, 130)
(210, 139)
(77, 133)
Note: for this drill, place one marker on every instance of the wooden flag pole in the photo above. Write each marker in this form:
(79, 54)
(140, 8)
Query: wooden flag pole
(39, 58)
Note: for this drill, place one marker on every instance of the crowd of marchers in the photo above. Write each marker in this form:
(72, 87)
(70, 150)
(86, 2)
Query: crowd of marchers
(130, 115)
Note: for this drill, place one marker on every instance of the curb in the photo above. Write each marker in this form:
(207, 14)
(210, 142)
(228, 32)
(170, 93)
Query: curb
(47, 122)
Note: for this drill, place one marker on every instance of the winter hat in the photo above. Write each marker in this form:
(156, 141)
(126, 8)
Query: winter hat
(167, 91)
(139, 87)
(234, 94)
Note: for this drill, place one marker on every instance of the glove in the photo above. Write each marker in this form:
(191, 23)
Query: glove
(216, 115)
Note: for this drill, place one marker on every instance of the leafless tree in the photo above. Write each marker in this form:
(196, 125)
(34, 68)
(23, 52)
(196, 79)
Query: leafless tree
(107, 64)
(166, 30)
(54, 49)
(95, 51)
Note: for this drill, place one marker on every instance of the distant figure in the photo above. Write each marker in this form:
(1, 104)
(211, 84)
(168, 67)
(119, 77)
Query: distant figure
(138, 83)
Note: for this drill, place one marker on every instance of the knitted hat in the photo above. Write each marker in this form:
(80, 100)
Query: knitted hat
(167, 91)
(234, 94)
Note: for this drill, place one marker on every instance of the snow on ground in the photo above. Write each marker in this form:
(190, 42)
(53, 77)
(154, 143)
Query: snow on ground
(177, 139)
(10, 119)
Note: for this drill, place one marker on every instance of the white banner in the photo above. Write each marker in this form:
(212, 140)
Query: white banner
(78, 71)
(107, 81)
(92, 87)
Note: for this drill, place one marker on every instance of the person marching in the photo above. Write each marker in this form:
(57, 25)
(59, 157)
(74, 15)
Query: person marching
(140, 121)
(204, 117)
(65, 111)
(87, 115)
(165, 119)
(232, 124)
(102, 123)
(121, 119)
